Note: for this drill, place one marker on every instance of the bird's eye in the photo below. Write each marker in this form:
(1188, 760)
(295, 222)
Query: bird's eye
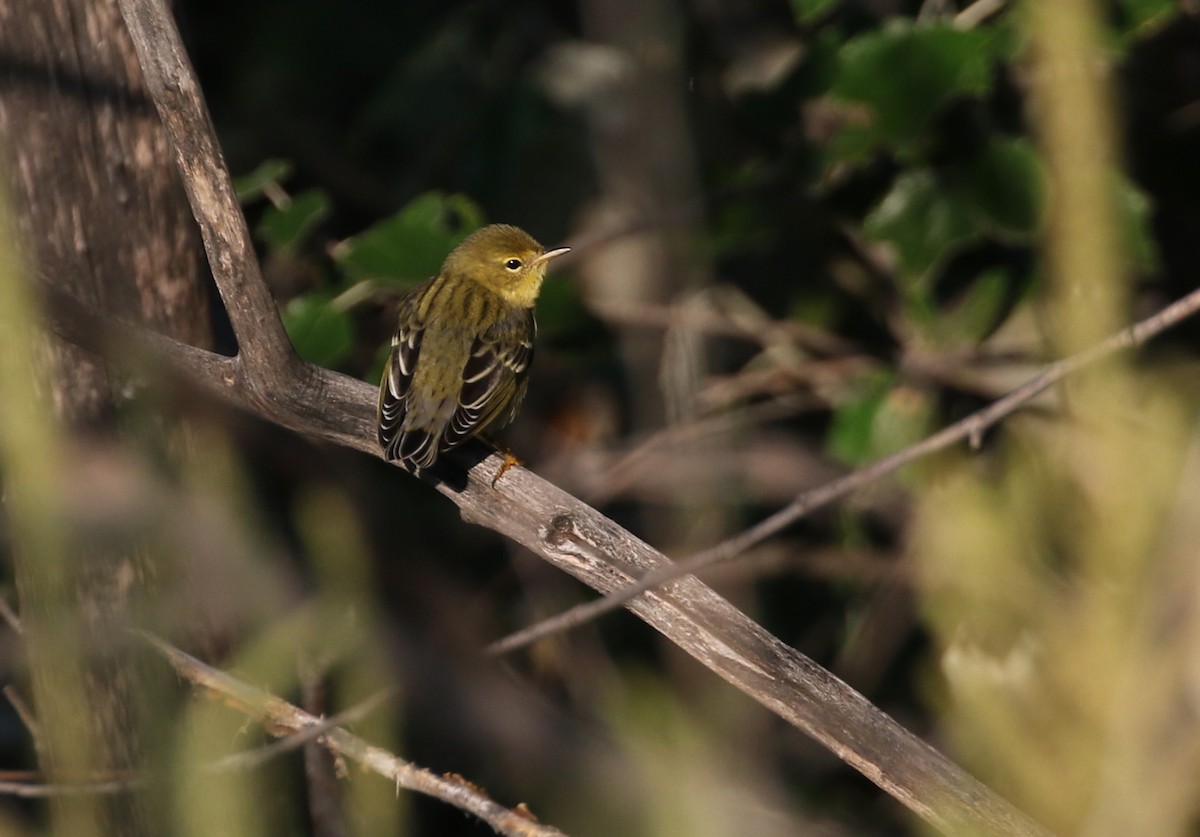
(513, 264)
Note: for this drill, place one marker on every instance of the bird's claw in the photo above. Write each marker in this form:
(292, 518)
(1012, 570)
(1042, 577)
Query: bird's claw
(509, 461)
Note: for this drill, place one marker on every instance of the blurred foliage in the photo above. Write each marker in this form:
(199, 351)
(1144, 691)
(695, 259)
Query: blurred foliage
(410, 245)
(872, 184)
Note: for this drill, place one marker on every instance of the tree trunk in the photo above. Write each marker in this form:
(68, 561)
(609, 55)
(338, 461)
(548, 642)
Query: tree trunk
(99, 211)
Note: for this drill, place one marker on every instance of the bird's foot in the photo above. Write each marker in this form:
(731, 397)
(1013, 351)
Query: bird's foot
(509, 461)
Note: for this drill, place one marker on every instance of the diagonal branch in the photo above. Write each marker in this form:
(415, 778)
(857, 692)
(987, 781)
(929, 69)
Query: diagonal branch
(970, 429)
(267, 379)
(281, 718)
(262, 341)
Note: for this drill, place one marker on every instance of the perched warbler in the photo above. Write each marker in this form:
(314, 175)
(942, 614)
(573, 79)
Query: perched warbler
(460, 356)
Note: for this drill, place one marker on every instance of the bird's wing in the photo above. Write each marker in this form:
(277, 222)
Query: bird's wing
(494, 379)
(397, 382)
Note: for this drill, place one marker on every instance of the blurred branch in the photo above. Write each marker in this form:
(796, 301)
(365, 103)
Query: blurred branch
(256, 758)
(42, 790)
(728, 315)
(9, 615)
(27, 718)
(266, 378)
(279, 718)
(969, 429)
(978, 12)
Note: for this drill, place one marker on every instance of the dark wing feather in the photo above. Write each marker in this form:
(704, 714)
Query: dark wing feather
(495, 378)
(396, 384)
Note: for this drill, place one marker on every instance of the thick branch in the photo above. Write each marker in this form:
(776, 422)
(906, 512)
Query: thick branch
(262, 342)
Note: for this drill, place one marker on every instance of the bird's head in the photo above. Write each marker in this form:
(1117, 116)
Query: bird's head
(504, 259)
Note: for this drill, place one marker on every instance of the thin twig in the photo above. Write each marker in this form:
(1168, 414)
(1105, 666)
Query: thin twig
(10, 617)
(626, 466)
(969, 428)
(260, 756)
(977, 13)
(40, 790)
(27, 718)
(722, 323)
(279, 716)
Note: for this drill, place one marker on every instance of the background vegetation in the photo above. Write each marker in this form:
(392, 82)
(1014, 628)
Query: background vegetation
(807, 235)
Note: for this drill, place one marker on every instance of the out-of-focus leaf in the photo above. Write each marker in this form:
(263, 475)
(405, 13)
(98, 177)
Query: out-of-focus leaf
(904, 74)
(883, 419)
(1005, 184)
(849, 438)
(1144, 16)
(904, 418)
(559, 309)
(739, 227)
(284, 227)
(923, 221)
(976, 312)
(1135, 209)
(806, 10)
(251, 186)
(410, 245)
(320, 331)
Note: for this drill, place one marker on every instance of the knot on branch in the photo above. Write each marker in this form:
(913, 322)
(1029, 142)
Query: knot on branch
(562, 531)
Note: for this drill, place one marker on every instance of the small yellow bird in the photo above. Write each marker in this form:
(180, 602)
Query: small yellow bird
(459, 363)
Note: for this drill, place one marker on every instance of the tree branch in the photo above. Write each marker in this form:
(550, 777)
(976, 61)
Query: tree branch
(969, 429)
(284, 720)
(262, 342)
(266, 378)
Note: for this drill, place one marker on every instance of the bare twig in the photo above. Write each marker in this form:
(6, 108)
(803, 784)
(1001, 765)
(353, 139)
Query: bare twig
(713, 320)
(269, 381)
(41, 790)
(27, 718)
(277, 715)
(256, 758)
(969, 428)
(10, 617)
(977, 13)
(326, 803)
(627, 466)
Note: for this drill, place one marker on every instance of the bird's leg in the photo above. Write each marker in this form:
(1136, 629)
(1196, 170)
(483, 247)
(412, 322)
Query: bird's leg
(509, 460)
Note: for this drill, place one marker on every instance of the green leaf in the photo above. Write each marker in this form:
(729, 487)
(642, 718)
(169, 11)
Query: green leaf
(320, 331)
(410, 245)
(849, 437)
(808, 10)
(560, 310)
(252, 186)
(1143, 17)
(923, 221)
(1134, 210)
(882, 419)
(1006, 186)
(284, 227)
(904, 74)
(976, 311)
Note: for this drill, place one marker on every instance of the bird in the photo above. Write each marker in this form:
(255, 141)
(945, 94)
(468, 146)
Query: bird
(460, 355)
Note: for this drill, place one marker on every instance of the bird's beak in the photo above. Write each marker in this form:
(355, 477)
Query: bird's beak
(551, 254)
